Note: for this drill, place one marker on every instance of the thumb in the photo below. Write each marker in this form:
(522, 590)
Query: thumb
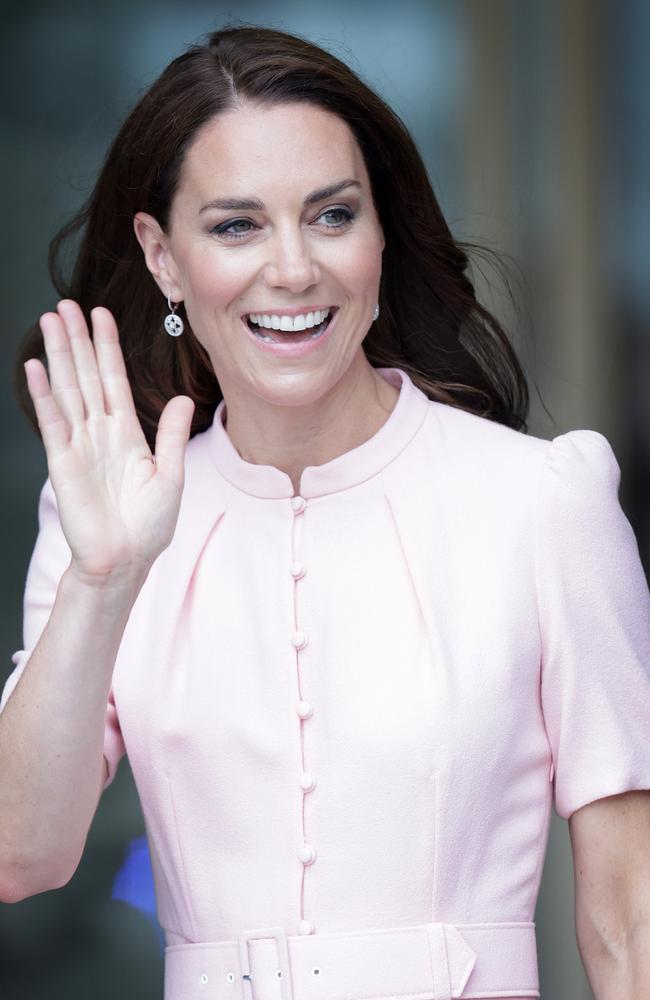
(172, 436)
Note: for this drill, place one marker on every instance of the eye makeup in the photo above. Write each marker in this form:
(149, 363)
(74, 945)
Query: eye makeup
(222, 228)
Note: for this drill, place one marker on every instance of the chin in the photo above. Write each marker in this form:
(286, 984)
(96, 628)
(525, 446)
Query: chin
(294, 389)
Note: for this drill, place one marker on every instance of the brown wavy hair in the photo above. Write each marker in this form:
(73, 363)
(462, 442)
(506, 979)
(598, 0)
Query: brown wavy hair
(430, 325)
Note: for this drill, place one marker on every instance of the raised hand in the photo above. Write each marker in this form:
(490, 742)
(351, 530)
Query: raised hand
(118, 504)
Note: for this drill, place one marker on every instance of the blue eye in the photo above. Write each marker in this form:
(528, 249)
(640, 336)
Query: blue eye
(222, 228)
(348, 216)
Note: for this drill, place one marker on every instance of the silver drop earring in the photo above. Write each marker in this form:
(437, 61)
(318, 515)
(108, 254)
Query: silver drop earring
(173, 324)
(376, 313)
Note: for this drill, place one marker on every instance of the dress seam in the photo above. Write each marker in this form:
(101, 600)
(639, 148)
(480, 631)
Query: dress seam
(181, 860)
(543, 837)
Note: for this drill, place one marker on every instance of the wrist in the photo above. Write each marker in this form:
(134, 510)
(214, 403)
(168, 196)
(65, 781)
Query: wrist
(121, 583)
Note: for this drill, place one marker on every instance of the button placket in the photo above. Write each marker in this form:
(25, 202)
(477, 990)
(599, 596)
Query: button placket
(306, 853)
(298, 504)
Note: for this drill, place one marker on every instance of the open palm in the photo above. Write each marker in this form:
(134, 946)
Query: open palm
(118, 503)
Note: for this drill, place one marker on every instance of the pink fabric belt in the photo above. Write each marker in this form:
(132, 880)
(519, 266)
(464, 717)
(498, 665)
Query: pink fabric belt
(430, 962)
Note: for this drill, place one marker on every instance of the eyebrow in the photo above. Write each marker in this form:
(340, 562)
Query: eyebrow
(254, 204)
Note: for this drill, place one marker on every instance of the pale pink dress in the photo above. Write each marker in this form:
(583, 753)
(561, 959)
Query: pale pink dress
(355, 710)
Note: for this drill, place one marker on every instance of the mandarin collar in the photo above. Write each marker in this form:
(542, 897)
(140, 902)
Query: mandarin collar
(340, 473)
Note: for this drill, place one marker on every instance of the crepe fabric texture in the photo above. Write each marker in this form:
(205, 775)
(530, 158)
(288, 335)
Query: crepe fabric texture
(356, 709)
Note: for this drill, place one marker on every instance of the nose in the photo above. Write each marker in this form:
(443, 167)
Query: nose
(291, 263)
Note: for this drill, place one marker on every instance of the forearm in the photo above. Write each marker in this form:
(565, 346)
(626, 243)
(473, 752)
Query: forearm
(51, 736)
(621, 972)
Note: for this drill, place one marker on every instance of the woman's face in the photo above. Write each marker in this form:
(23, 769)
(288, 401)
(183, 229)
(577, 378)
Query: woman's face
(298, 248)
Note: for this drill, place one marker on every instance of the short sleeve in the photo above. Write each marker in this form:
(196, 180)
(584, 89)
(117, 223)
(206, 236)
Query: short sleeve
(50, 558)
(594, 615)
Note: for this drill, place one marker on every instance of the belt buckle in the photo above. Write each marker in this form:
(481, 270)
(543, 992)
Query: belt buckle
(282, 949)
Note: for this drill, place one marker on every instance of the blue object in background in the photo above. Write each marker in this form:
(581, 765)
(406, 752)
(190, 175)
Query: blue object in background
(134, 885)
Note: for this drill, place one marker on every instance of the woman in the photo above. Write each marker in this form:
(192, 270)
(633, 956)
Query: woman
(357, 633)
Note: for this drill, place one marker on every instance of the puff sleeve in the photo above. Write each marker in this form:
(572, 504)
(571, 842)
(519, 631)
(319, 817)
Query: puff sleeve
(49, 560)
(594, 616)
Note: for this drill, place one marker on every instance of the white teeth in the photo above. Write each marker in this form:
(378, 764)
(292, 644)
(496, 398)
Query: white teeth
(299, 323)
(274, 321)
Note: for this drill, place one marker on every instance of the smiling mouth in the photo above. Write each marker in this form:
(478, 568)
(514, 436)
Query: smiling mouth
(291, 336)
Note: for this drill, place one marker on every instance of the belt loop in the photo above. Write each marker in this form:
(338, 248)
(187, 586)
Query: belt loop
(439, 961)
(282, 950)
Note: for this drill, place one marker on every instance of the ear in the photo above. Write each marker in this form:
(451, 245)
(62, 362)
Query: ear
(157, 255)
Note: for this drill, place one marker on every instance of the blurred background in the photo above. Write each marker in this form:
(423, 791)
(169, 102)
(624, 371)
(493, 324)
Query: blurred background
(533, 118)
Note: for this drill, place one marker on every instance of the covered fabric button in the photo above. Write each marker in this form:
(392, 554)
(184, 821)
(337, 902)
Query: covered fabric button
(299, 639)
(307, 854)
(305, 927)
(304, 709)
(307, 781)
(297, 570)
(298, 504)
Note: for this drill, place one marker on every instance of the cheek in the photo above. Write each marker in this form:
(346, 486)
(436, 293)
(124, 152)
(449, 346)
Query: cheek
(360, 260)
(213, 279)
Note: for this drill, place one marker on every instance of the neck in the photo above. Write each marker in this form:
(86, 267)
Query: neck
(293, 437)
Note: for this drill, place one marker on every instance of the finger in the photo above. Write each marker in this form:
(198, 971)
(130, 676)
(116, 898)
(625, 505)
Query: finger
(62, 371)
(172, 436)
(110, 362)
(83, 355)
(52, 424)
